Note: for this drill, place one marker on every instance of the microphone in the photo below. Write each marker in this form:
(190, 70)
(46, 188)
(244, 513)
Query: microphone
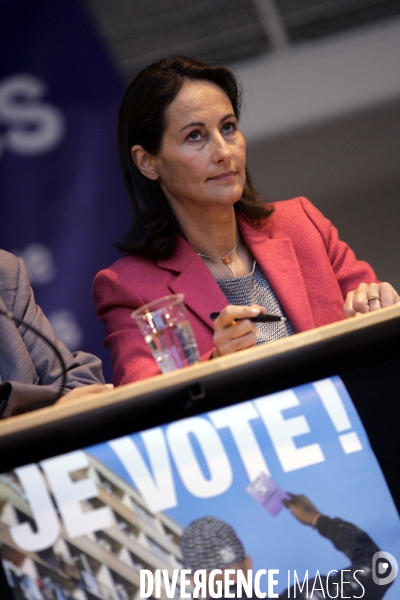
(9, 315)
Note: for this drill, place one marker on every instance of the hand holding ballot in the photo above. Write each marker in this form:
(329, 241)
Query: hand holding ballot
(303, 509)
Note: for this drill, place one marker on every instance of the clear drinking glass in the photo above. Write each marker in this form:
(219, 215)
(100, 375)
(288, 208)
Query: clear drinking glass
(166, 329)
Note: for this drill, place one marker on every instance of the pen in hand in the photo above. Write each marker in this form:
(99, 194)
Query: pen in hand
(261, 318)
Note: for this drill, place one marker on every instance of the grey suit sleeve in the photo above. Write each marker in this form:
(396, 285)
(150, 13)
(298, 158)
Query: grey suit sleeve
(28, 365)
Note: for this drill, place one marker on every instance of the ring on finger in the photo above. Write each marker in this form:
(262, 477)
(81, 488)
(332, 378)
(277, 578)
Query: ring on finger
(372, 297)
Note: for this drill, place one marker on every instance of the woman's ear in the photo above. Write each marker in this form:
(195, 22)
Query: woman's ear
(144, 161)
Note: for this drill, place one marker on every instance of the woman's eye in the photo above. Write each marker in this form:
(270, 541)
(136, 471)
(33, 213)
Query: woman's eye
(194, 136)
(228, 127)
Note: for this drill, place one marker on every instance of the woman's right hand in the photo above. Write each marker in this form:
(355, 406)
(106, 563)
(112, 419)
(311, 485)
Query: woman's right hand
(233, 329)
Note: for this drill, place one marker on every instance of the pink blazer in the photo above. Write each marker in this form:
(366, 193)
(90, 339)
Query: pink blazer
(298, 250)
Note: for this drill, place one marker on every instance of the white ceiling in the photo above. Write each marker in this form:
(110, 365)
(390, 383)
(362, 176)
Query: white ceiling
(225, 31)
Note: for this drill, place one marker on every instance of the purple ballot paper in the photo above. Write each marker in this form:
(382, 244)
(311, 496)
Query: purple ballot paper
(266, 492)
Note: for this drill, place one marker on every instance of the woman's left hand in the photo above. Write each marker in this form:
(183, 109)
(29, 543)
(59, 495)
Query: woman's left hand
(368, 297)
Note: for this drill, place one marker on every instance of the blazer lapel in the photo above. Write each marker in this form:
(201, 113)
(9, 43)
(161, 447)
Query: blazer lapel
(202, 293)
(278, 261)
(276, 258)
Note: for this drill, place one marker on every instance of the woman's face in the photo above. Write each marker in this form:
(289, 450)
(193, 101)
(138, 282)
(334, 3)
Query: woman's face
(202, 159)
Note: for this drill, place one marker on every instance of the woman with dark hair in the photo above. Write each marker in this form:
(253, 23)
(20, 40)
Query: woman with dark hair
(200, 228)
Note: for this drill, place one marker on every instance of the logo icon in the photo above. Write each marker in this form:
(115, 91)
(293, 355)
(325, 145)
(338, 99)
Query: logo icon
(384, 568)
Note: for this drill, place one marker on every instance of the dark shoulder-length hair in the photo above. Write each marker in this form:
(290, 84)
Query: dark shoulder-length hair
(142, 120)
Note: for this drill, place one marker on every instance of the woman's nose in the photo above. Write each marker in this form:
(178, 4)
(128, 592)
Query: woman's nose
(221, 148)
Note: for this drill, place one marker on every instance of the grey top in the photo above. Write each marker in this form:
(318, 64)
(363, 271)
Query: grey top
(255, 289)
(30, 373)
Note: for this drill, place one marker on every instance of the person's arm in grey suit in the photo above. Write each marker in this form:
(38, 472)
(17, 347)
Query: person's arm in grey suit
(30, 373)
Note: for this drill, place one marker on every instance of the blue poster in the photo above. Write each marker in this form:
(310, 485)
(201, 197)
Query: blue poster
(306, 441)
(282, 495)
(62, 198)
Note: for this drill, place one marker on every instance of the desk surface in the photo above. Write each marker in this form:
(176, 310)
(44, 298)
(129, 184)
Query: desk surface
(271, 355)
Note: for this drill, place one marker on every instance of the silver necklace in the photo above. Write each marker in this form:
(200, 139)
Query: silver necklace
(226, 258)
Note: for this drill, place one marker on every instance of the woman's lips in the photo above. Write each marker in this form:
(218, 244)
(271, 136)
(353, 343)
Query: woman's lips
(224, 176)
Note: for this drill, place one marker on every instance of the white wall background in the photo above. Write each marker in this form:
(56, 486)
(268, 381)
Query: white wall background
(323, 120)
